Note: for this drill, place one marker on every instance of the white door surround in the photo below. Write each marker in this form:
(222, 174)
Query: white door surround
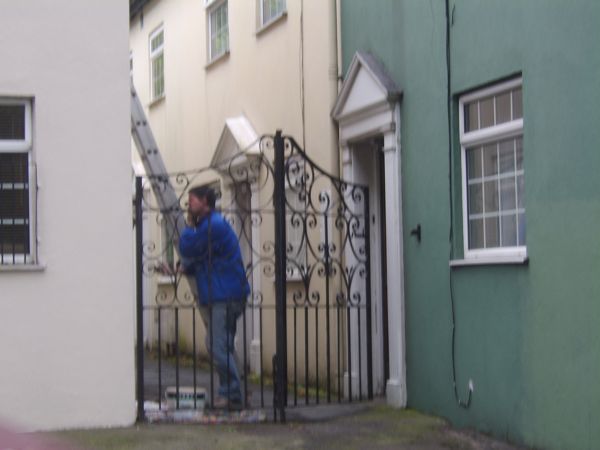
(368, 106)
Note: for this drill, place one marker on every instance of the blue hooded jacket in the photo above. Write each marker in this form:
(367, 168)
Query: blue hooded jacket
(211, 252)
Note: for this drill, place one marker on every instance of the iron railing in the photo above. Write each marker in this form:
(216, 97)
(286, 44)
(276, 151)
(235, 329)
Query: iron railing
(309, 309)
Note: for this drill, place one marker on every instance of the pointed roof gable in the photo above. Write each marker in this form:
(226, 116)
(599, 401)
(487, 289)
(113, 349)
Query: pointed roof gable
(367, 85)
(238, 137)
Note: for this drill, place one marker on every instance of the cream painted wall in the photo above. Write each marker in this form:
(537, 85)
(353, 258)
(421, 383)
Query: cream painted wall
(67, 331)
(261, 77)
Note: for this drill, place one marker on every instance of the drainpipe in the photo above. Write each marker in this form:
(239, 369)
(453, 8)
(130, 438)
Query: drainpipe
(465, 404)
(337, 38)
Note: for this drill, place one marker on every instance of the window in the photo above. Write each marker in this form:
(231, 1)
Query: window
(17, 177)
(295, 198)
(491, 137)
(218, 30)
(271, 10)
(157, 64)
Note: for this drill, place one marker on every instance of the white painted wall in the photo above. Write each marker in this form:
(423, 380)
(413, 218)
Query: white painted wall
(67, 332)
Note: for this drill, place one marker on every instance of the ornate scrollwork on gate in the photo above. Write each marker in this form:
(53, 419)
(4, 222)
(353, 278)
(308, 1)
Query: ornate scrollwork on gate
(326, 247)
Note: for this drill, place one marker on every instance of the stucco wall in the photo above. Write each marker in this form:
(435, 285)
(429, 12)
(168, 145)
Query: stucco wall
(66, 332)
(527, 335)
(262, 77)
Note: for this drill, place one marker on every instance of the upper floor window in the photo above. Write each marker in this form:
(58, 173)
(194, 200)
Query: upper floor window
(271, 10)
(17, 177)
(491, 137)
(218, 29)
(157, 64)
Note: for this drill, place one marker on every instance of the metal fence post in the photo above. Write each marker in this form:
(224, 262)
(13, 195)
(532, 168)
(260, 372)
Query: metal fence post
(368, 296)
(280, 278)
(139, 297)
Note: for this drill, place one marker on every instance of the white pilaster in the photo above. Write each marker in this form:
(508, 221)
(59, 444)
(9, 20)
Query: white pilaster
(255, 353)
(396, 384)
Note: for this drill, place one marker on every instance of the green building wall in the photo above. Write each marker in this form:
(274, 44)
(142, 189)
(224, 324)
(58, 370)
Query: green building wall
(527, 335)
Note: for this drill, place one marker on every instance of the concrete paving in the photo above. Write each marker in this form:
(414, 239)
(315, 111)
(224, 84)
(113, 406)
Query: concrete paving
(356, 425)
(376, 427)
(258, 398)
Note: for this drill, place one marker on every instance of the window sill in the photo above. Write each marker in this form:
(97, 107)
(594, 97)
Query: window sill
(271, 23)
(22, 267)
(491, 261)
(156, 101)
(216, 60)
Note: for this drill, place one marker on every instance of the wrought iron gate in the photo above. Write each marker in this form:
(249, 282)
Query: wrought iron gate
(305, 333)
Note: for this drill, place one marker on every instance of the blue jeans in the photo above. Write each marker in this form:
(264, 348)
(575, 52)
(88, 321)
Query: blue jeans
(223, 318)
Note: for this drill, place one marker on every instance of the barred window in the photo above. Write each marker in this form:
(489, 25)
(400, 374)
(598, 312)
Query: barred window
(16, 183)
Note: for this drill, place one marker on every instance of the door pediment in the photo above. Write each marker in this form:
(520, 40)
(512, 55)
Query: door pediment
(365, 105)
(367, 86)
(237, 145)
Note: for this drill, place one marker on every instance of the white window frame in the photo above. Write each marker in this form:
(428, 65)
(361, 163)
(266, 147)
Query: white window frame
(23, 146)
(154, 54)
(512, 128)
(261, 11)
(211, 7)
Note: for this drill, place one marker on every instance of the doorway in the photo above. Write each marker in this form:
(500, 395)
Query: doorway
(369, 169)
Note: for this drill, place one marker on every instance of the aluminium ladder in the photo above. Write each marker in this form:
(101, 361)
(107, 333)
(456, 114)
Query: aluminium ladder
(163, 190)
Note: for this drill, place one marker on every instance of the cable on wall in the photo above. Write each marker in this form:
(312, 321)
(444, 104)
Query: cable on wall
(462, 403)
(302, 95)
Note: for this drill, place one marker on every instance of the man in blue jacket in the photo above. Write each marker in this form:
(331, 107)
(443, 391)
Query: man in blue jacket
(210, 251)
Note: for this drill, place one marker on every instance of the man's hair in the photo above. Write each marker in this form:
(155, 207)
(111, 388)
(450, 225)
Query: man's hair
(205, 192)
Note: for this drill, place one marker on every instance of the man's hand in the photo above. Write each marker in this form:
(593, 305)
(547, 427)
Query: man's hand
(191, 219)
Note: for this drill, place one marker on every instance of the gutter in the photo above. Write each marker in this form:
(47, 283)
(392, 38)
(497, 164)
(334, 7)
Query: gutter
(135, 7)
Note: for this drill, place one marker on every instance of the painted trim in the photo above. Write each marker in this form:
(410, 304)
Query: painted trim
(488, 261)
(271, 23)
(382, 118)
(24, 146)
(263, 25)
(386, 85)
(218, 59)
(210, 8)
(18, 145)
(495, 255)
(491, 90)
(371, 122)
(361, 114)
(23, 268)
(153, 54)
(396, 385)
(495, 133)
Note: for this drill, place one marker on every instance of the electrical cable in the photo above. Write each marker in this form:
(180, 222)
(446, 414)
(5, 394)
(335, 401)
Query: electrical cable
(463, 404)
(302, 93)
